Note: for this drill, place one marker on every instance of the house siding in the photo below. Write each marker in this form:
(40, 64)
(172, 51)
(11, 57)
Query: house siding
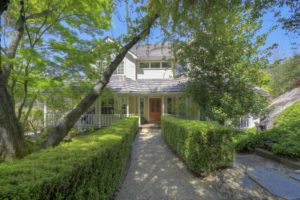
(154, 73)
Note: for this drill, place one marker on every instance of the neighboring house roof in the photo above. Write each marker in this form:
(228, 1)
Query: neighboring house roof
(152, 51)
(122, 84)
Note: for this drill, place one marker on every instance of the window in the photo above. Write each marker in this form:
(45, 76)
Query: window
(169, 105)
(166, 64)
(142, 103)
(155, 65)
(143, 65)
(120, 69)
(107, 106)
(123, 106)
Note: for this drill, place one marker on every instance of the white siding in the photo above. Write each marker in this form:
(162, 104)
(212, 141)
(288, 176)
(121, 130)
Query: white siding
(154, 73)
(129, 68)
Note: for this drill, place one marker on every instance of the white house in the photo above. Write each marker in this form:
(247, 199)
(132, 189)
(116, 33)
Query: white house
(144, 84)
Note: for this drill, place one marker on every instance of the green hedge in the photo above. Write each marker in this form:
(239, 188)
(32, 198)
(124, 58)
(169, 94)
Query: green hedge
(89, 167)
(204, 146)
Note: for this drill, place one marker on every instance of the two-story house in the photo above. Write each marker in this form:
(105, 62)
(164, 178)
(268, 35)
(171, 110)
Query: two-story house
(145, 84)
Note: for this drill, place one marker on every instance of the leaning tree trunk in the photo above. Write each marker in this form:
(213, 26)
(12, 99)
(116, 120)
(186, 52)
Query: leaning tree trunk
(57, 133)
(11, 134)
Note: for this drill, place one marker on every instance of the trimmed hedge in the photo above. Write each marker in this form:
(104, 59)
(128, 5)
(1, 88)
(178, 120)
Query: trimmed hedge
(204, 146)
(89, 167)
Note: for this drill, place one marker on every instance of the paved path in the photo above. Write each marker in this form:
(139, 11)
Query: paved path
(156, 173)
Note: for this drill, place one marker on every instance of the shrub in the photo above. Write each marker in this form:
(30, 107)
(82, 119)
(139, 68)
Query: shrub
(204, 146)
(89, 167)
(284, 140)
(289, 115)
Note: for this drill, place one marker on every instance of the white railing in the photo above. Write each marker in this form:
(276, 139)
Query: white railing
(86, 120)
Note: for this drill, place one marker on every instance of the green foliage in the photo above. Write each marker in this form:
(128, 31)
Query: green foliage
(289, 115)
(89, 167)
(285, 140)
(223, 60)
(283, 74)
(204, 146)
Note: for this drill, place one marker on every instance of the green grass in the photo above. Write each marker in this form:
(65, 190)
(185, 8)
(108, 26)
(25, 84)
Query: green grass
(288, 116)
(204, 146)
(89, 167)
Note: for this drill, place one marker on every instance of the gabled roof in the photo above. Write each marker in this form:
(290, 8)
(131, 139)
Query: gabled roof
(152, 51)
(122, 84)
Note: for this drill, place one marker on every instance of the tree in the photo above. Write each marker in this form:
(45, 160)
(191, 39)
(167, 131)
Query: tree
(34, 31)
(222, 59)
(284, 73)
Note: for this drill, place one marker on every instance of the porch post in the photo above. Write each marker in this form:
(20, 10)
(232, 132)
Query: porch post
(139, 109)
(163, 105)
(99, 112)
(45, 114)
(127, 106)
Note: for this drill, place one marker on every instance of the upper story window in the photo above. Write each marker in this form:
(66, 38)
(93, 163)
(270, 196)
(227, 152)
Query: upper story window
(155, 65)
(120, 69)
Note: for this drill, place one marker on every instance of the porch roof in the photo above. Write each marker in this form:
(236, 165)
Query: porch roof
(122, 84)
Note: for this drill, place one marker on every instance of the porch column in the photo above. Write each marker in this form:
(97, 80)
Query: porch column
(45, 114)
(139, 109)
(163, 105)
(127, 106)
(99, 112)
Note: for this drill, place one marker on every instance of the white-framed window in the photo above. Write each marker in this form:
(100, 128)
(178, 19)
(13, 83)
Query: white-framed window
(120, 69)
(107, 106)
(169, 105)
(143, 65)
(166, 64)
(155, 64)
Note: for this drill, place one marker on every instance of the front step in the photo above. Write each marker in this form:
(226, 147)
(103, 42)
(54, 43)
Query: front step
(150, 126)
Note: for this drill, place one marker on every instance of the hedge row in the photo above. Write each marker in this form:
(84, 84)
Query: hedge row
(204, 146)
(89, 167)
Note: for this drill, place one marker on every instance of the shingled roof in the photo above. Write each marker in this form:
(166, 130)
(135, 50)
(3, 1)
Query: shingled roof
(153, 51)
(123, 84)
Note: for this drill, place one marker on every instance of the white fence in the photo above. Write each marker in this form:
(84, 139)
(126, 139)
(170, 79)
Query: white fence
(86, 120)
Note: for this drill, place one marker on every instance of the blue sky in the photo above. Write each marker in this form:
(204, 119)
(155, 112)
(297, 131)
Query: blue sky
(279, 36)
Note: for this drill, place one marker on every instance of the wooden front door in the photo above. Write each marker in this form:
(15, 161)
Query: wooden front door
(155, 109)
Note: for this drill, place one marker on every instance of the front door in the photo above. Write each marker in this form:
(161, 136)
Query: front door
(155, 109)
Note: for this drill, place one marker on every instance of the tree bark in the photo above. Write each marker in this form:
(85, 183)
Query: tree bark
(57, 134)
(12, 143)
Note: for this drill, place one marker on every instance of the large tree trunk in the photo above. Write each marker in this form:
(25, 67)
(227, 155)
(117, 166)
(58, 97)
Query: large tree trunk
(58, 132)
(11, 134)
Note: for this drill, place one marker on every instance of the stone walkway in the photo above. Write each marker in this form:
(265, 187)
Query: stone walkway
(155, 172)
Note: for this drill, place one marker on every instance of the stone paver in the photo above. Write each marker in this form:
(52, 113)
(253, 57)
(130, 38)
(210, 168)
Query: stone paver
(155, 172)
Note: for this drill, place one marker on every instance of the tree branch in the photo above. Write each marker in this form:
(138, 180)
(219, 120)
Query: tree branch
(58, 132)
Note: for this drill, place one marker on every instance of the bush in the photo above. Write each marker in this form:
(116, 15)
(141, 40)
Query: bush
(284, 140)
(204, 146)
(89, 167)
(289, 115)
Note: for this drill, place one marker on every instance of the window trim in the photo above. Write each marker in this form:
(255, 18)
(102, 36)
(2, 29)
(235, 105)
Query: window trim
(155, 61)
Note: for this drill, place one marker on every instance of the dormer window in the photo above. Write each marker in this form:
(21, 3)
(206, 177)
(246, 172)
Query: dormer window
(166, 64)
(155, 65)
(143, 65)
(120, 69)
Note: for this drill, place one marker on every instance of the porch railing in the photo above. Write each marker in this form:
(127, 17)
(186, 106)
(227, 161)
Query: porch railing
(86, 120)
